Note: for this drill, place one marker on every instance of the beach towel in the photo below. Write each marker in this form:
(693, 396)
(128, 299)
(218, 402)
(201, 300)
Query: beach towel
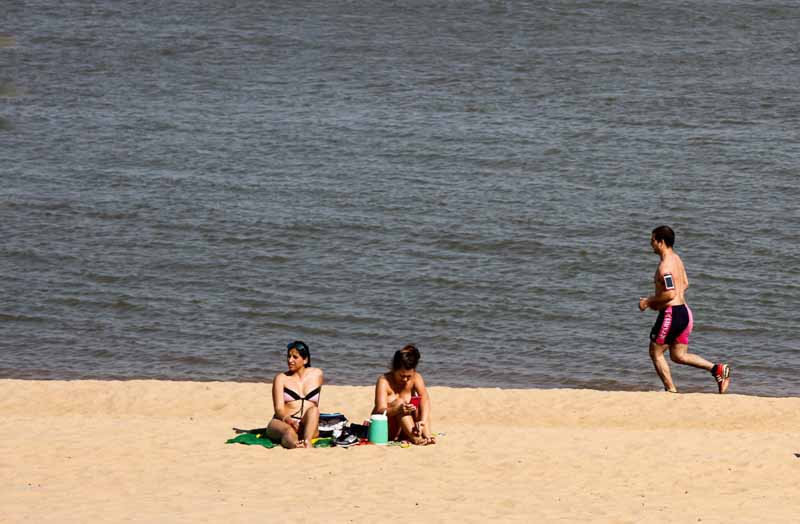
(253, 439)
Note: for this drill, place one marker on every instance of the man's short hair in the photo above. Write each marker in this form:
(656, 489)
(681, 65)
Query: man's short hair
(665, 234)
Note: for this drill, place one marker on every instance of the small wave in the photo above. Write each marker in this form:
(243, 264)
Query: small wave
(734, 122)
(119, 304)
(301, 328)
(7, 41)
(20, 318)
(260, 40)
(147, 328)
(447, 282)
(40, 205)
(183, 50)
(319, 331)
(703, 141)
(347, 319)
(250, 302)
(350, 320)
(186, 267)
(105, 215)
(8, 89)
(273, 326)
(506, 246)
(27, 256)
(239, 240)
(680, 124)
(474, 108)
(66, 301)
(277, 259)
(183, 227)
(64, 40)
(124, 305)
(571, 318)
(192, 360)
(717, 278)
(710, 328)
(162, 125)
(104, 279)
(35, 374)
(250, 313)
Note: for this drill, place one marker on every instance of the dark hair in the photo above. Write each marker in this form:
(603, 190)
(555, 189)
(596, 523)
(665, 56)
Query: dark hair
(664, 233)
(301, 348)
(406, 358)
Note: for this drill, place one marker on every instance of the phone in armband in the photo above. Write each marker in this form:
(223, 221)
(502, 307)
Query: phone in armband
(669, 283)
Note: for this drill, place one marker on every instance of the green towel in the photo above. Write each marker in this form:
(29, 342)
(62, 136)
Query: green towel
(323, 442)
(248, 439)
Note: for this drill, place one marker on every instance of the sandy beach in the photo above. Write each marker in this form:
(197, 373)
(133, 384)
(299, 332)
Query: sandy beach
(154, 451)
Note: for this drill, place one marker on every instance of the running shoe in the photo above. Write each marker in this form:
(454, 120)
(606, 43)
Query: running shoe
(722, 374)
(345, 440)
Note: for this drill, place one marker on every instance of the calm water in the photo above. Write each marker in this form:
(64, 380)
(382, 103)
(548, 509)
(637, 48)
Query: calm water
(187, 186)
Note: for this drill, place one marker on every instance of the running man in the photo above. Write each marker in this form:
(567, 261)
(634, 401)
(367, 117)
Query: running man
(674, 323)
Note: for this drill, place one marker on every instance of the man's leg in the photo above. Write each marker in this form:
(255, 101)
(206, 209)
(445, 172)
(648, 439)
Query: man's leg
(662, 367)
(679, 353)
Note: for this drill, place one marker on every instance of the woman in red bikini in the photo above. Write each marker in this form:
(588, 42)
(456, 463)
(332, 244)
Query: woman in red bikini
(295, 395)
(402, 395)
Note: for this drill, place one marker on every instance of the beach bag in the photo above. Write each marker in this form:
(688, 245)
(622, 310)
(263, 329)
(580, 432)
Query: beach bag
(331, 424)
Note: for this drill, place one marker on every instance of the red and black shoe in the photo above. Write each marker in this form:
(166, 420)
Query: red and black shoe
(722, 374)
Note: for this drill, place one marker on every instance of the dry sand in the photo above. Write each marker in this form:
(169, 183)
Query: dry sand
(153, 451)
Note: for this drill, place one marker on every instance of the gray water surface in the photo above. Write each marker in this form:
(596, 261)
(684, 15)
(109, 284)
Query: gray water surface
(185, 187)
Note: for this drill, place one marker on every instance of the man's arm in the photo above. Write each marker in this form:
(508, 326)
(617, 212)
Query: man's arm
(665, 292)
(657, 301)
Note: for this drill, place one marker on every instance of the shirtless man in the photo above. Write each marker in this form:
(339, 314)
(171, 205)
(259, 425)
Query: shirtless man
(674, 323)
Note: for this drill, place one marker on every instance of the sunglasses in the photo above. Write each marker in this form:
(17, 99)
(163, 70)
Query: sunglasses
(300, 346)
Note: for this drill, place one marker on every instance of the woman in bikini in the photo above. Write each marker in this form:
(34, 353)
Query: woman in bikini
(295, 395)
(402, 395)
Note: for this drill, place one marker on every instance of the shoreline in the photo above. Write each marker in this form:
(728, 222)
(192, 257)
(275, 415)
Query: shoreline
(148, 450)
(710, 389)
